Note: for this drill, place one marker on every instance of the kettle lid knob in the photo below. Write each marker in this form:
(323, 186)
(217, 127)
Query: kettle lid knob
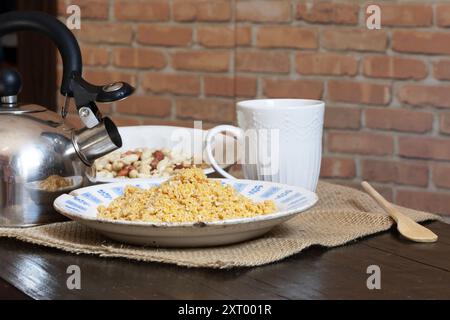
(10, 85)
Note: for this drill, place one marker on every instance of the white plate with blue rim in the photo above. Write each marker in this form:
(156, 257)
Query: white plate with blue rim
(81, 205)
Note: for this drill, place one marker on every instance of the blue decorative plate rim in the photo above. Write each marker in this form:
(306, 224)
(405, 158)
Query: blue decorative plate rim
(71, 199)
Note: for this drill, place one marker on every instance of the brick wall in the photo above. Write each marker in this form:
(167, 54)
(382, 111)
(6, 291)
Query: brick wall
(387, 91)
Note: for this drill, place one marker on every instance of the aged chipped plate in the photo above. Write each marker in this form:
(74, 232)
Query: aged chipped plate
(188, 140)
(81, 205)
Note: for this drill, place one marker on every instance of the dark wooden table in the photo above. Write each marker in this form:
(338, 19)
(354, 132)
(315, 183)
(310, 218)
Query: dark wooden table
(408, 270)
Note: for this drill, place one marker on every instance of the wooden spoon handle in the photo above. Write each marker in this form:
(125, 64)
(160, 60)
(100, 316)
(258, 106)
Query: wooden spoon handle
(405, 225)
(394, 213)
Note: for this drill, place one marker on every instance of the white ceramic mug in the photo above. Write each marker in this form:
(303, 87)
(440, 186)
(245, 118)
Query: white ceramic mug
(279, 140)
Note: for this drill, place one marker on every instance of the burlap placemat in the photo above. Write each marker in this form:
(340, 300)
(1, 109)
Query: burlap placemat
(342, 214)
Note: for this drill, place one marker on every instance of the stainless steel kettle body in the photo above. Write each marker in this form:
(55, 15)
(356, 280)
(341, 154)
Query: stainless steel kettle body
(34, 146)
(41, 157)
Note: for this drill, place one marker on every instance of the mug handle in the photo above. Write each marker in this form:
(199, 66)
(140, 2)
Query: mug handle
(237, 132)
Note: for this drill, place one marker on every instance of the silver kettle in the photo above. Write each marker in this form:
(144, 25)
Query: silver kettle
(40, 156)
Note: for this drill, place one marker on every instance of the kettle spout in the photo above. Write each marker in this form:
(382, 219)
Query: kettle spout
(93, 143)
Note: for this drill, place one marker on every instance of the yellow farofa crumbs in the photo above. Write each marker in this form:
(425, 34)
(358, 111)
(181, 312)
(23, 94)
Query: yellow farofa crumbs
(189, 196)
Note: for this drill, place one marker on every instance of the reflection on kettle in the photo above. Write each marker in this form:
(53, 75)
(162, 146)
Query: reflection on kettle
(40, 156)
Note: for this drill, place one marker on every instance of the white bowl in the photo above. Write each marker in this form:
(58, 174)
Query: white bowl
(188, 140)
(81, 205)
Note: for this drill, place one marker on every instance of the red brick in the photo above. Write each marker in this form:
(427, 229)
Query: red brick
(361, 143)
(443, 15)
(384, 190)
(113, 33)
(441, 175)
(424, 95)
(328, 12)
(342, 118)
(245, 86)
(92, 9)
(332, 167)
(326, 64)
(284, 88)
(142, 10)
(286, 37)
(102, 77)
(435, 202)
(421, 42)
(444, 123)
(399, 120)
(61, 7)
(262, 61)
(201, 10)
(358, 92)
(230, 86)
(400, 172)
(138, 58)
(164, 35)
(406, 15)
(173, 83)
(243, 36)
(145, 105)
(213, 110)
(354, 39)
(216, 36)
(175, 123)
(441, 70)
(125, 121)
(263, 11)
(424, 147)
(394, 67)
(95, 55)
(214, 61)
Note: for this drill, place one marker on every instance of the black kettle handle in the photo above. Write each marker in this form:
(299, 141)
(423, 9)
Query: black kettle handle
(65, 41)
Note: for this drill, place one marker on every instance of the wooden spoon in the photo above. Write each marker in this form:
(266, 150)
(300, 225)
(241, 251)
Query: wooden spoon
(405, 225)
